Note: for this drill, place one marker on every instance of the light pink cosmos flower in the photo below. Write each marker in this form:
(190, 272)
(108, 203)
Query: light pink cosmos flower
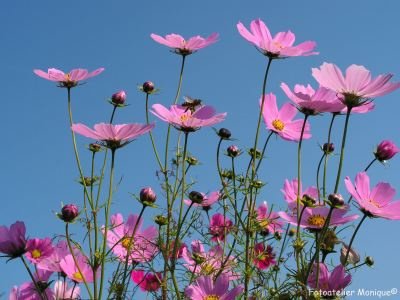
(208, 200)
(279, 46)
(329, 282)
(113, 136)
(290, 192)
(220, 226)
(84, 273)
(206, 288)
(13, 240)
(52, 262)
(148, 282)
(182, 46)
(38, 249)
(200, 262)
(314, 218)
(62, 291)
(356, 87)
(119, 237)
(268, 220)
(376, 203)
(281, 121)
(263, 256)
(67, 80)
(185, 120)
(28, 291)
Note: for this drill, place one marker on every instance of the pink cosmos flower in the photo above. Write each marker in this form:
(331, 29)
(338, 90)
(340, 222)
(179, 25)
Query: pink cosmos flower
(268, 220)
(184, 119)
(113, 136)
(376, 203)
(279, 46)
(310, 101)
(119, 239)
(38, 249)
(62, 291)
(329, 282)
(357, 86)
(219, 227)
(182, 46)
(84, 273)
(52, 262)
(290, 192)
(200, 262)
(67, 80)
(28, 291)
(386, 150)
(263, 256)
(148, 282)
(281, 121)
(314, 217)
(206, 288)
(208, 200)
(13, 240)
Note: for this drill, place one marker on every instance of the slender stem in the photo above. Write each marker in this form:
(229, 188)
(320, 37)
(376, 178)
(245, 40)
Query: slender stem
(263, 151)
(32, 278)
(346, 124)
(326, 156)
(317, 179)
(113, 112)
(107, 212)
(352, 239)
(151, 135)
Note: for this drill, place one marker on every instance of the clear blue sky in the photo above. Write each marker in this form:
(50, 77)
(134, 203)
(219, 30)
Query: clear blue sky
(37, 160)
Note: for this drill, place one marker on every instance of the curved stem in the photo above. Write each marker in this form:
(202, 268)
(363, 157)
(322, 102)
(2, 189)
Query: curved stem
(151, 135)
(326, 156)
(318, 170)
(352, 239)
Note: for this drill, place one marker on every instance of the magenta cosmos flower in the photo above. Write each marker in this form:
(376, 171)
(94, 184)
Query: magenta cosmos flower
(185, 120)
(13, 240)
(67, 80)
(356, 86)
(386, 150)
(329, 282)
(121, 237)
(376, 203)
(314, 217)
(289, 191)
(220, 226)
(263, 256)
(281, 121)
(279, 46)
(81, 274)
(38, 249)
(208, 200)
(206, 289)
(267, 220)
(148, 282)
(182, 46)
(113, 136)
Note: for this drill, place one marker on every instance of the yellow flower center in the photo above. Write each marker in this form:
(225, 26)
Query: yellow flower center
(77, 276)
(316, 220)
(36, 253)
(126, 242)
(185, 118)
(278, 45)
(211, 297)
(278, 124)
(264, 223)
(207, 269)
(67, 77)
(374, 203)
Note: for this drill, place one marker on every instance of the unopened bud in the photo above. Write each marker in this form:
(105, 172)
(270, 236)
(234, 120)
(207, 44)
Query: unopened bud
(386, 150)
(119, 98)
(196, 197)
(191, 160)
(369, 261)
(233, 151)
(148, 87)
(336, 200)
(69, 213)
(224, 133)
(328, 148)
(94, 147)
(292, 232)
(308, 201)
(161, 220)
(147, 195)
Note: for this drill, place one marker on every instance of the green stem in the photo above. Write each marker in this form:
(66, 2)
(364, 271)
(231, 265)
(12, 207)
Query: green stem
(326, 156)
(151, 135)
(32, 278)
(318, 171)
(352, 239)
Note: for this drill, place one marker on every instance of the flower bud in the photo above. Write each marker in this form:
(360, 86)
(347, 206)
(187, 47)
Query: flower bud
(148, 87)
(224, 133)
(277, 235)
(233, 151)
(336, 200)
(147, 195)
(196, 197)
(385, 150)
(353, 258)
(161, 220)
(119, 98)
(308, 201)
(255, 154)
(328, 148)
(292, 232)
(94, 147)
(369, 261)
(69, 213)
(191, 160)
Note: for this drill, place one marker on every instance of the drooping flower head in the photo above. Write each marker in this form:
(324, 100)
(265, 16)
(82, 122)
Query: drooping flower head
(148, 282)
(208, 200)
(281, 121)
(13, 240)
(220, 226)
(121, 238)
(38, 249)
(182, 46)
(356, 87)
(333, 282)
(113, 136)
(268, 221)
(377, 202)
(279, 46)
(386, 150)
(263, 256)
(67, 80)
(187, 120)
(81, 274)
(314, 218)
(206, 289)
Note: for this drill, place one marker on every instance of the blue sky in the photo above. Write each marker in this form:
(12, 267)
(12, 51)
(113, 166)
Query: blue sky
(37, 160)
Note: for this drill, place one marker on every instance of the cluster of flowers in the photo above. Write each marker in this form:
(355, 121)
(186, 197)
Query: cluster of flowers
(212, 272)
